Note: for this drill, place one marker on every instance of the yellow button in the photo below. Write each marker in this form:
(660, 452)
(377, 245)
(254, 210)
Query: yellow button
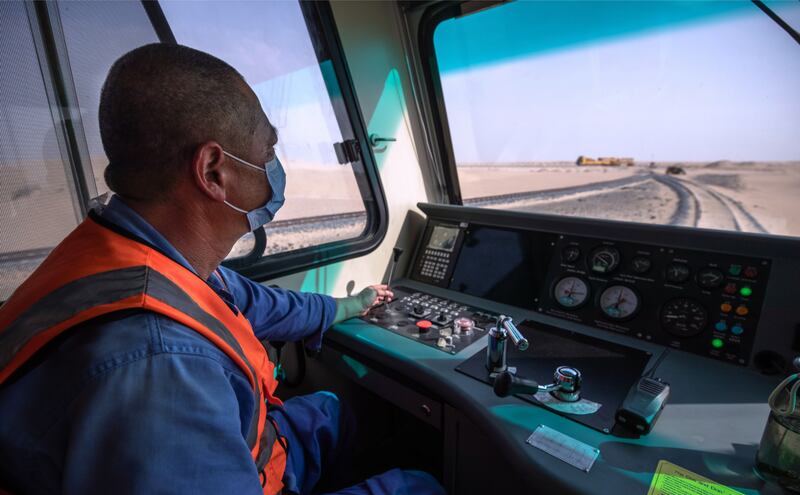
(725, 307)
(742, 310)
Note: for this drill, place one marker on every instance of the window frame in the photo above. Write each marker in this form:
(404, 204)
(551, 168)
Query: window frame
(432, 83)
(54, 60)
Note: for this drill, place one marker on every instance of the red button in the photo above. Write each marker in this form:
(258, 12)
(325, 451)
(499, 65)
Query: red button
(424, 325)
(751, 272)
(730, 288)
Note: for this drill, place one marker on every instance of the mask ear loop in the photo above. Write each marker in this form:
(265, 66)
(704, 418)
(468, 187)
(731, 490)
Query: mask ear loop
(244, 162)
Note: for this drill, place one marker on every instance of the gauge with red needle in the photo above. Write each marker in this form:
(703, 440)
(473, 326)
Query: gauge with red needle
(571, 292)
(619, 302)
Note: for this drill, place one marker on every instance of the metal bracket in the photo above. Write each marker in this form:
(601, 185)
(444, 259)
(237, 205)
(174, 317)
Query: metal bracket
(347, 151)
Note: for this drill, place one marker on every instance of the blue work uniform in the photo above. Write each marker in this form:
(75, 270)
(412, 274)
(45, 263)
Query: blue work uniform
(138, 403)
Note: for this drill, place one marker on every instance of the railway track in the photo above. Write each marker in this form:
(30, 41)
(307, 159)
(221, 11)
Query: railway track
(35, 256)
(596, 187)
(697, 205)
(712, 209)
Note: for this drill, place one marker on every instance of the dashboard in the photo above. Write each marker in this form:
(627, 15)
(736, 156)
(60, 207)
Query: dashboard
(707, 302)
(601, 299)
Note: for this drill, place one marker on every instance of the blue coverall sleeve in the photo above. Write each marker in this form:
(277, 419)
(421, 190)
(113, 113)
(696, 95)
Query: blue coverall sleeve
(281, 314)
(166, 423)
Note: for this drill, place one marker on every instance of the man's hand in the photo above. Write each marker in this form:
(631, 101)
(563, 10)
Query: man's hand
(361, 303)
(373, 295)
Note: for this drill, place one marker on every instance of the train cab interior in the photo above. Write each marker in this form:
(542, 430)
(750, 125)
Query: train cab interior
(586, 212)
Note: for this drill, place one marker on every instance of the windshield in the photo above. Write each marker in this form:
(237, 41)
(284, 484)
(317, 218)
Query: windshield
(678, 113)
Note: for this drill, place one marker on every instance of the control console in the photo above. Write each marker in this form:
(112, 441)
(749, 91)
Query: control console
(705, 303)
(437, 322)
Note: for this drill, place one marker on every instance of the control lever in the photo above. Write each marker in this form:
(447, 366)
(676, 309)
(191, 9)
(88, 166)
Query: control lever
(506, 384)
(496, 350)
(519, 341)
(397, 252)
(566, 384)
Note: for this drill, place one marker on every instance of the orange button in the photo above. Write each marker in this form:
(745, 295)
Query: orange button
(742, 310)
(725, 307)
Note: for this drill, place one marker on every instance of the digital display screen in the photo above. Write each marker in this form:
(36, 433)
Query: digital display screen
(503, 265)
(443, 238)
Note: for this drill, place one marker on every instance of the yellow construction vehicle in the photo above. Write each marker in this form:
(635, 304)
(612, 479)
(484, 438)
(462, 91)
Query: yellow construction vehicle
(607, 161)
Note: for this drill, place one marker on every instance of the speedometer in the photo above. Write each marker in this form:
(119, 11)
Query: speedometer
(684, 317)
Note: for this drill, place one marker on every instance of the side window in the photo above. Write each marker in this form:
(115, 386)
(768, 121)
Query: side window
(37, 208)
(677, 113)
(271, 45)
(55, 58)
(88, 28)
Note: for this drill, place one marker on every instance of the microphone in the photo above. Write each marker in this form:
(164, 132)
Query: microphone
(506, 384)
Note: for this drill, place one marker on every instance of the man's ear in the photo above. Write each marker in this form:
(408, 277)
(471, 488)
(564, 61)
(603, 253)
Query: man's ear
(209, 174)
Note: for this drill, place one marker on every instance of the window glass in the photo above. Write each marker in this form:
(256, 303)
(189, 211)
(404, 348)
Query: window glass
(681, 113)
(270, 45)
(97, 34)
(36, 208)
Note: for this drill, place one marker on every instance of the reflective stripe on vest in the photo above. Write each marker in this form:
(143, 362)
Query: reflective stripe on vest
(96, 271)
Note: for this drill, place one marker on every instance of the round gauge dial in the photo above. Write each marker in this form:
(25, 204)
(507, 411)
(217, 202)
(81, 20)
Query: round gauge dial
(641, 264)
(571, 254)
(604, 259)
(571, 292)
(678, 273)
(619, 302)
(710, 278)
(684, 317)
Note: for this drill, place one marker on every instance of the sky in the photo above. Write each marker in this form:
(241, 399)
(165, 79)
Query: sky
(525, 81)
(684, 81)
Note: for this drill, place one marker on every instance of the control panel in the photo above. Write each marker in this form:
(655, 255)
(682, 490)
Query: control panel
(702, 302)
(437, 322)
(705, 303)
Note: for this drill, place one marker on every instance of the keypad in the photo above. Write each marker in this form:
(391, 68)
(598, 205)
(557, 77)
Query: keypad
(434, 264)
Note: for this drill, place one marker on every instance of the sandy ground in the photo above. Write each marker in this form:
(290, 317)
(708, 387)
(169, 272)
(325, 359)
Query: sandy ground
(479, 181)
(770, 192)
(750, 197)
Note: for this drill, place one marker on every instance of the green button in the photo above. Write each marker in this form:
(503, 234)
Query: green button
(746, 291)
(716, 343)
(735, 270)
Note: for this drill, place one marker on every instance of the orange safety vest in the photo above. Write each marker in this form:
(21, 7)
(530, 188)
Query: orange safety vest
(96, 271)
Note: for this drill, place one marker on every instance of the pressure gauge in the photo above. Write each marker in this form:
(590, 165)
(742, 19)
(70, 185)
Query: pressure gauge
(571, 292)
(604, 259)
(619, 302)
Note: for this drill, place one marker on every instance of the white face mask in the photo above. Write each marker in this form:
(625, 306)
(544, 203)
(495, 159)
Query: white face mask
(276, 178)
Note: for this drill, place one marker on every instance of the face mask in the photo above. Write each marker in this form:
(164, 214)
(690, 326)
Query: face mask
(276, 177)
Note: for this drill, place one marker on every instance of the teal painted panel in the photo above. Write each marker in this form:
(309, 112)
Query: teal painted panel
(520, 29)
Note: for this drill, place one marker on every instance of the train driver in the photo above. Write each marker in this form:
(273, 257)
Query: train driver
(130, 360)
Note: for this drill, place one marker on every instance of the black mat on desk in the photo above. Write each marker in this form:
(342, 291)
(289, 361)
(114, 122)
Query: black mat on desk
(608, 369)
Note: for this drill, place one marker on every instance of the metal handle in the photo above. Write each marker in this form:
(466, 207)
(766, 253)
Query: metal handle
(375, 140)
(519, 341)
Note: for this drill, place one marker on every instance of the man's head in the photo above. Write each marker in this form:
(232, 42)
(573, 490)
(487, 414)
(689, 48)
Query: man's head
(167, 112)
